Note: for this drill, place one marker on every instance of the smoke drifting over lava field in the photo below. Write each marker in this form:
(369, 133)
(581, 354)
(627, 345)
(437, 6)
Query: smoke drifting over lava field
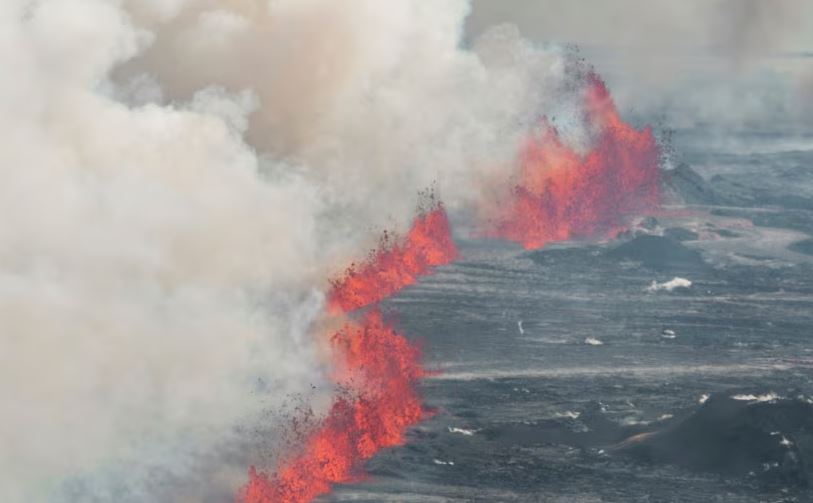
(306, 250)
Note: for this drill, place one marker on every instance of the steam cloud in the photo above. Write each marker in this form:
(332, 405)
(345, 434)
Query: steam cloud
(179, 180)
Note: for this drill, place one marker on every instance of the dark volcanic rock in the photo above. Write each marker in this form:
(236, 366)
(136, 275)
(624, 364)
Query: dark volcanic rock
(680, 234)
(804, 246)
(686, 185)
(649, 223)
(732, 191)
(659, 253)
(591, 429)
(770, 440)
(798, 220)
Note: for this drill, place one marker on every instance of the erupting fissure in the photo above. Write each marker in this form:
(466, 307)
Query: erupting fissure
(379, 368)
(562, 194)
(397, 263)
(376, 367)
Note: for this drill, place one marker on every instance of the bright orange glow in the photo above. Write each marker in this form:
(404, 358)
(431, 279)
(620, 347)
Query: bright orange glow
(381, 368)
(377, 368)
(563, 195)
(397, 263)
(560, 195)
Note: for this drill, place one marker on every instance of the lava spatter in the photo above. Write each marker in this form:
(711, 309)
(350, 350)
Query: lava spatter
(397, 263)
(379, 370)
(376, 368)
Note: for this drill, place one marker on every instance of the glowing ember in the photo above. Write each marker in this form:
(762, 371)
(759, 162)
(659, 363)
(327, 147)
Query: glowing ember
(381, 368)
(563, 195)
(397, 263)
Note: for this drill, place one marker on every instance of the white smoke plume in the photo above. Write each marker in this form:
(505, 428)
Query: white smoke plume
(179, 179)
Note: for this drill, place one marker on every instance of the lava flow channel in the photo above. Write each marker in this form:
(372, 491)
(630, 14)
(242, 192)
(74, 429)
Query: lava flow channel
(562, 194)
(397, 263)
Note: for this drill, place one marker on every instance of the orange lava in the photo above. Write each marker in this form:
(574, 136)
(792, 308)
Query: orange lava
(397, 263)
(562, 194)
(380, 368)
(376, 367)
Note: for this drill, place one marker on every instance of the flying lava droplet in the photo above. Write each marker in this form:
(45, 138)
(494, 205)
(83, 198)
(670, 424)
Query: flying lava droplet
(397, 263)
(380, 370)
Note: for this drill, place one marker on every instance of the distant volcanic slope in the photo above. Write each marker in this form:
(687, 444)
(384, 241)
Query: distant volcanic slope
(766, 437)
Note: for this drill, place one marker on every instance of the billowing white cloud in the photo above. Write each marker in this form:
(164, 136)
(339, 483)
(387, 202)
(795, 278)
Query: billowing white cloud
(177, 182)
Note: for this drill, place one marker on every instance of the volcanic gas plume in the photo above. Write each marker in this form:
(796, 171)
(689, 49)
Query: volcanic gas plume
(563, 194)
(181, 179)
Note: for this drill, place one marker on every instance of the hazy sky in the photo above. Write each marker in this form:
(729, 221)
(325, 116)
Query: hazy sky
(731, 25)
(726, 61)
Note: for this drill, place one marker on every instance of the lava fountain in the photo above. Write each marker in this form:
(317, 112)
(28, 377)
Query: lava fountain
(562, 194)
(379, 370)
(376, 367)
(396, 263)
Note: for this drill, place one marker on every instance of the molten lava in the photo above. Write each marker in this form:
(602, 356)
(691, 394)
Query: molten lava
(562, 194)
(376, 368)
(397, 263)
(380, 368)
